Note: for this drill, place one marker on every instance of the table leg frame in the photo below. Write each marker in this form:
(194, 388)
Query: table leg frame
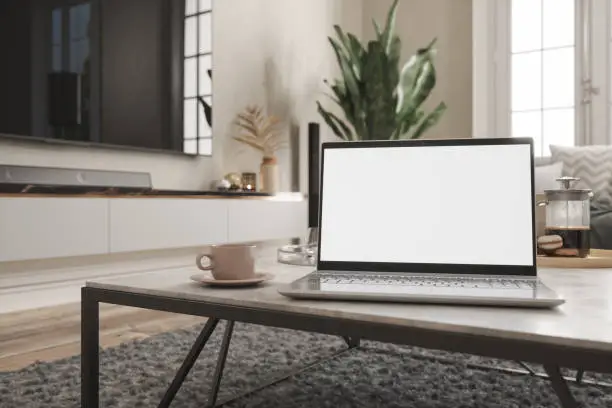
(91, 297)
(90, 351)
(560, 386)
(188, 363)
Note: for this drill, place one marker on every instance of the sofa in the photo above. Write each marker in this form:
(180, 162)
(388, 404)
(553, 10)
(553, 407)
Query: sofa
(593, 165)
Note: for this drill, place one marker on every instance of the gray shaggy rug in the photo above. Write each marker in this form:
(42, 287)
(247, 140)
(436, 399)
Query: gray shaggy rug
(136, 374)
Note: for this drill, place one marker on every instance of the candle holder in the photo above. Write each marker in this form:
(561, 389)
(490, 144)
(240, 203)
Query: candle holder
(249, 181)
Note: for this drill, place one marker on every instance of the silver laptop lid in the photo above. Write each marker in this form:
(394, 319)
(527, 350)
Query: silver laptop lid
(428, 206)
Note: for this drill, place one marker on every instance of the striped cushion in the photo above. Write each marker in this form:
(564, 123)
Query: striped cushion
(592, 164)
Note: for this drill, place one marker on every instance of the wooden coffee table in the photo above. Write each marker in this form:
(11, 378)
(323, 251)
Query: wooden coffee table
(576, 335)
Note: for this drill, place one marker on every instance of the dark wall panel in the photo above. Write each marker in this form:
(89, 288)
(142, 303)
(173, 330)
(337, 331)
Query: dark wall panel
(15, 83)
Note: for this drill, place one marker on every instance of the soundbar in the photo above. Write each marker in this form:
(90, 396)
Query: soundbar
(30, 178)
(61, 181)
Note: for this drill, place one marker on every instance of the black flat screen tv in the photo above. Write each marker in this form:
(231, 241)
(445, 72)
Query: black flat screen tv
(121, 73)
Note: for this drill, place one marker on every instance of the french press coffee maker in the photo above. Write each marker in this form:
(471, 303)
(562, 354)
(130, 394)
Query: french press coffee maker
(568, 221)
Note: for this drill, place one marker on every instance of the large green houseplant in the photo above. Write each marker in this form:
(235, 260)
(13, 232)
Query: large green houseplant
(380, 101)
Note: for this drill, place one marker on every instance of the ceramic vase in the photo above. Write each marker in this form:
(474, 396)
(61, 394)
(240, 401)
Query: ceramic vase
(269, 177)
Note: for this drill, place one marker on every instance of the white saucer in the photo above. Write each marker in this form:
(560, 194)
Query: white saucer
(207, 279)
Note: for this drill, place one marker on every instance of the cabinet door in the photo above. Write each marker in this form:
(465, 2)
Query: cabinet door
(38, 228)
(255, 220)
(138, 224)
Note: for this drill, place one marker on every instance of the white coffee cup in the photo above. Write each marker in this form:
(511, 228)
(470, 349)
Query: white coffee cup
(229, 261)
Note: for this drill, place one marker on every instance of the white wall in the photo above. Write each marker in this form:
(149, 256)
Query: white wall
(284, 56)
(418, 22)
(484, 69)
(286, 36)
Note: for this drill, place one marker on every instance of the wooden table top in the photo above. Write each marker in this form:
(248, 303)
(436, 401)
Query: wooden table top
(585, 320)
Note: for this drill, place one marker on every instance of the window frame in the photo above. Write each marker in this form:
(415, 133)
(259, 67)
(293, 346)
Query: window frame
(491, 69)
(197, 57)
(504, 73)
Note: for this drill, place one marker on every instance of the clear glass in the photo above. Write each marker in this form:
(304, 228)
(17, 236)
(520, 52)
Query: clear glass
(568, 214)
(526, 25)
(191, 7)
(191, 77)
(205, 5)
(300, 254)
(56, 26)
(79, 17)
(559, 127)
(56, 59)
(205, 147)
(559, 23)
(190, 146)
(527, 81)
(205, 42)
(205, 64)
(559, 78)
(191, 27)
(190, 119)
(79, 56)
(529, 124)
(204, 129)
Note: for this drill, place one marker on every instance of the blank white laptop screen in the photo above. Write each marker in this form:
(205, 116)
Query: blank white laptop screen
(467, 204)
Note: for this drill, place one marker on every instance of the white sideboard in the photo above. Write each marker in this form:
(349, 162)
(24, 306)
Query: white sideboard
(50, 227)
(144, 224)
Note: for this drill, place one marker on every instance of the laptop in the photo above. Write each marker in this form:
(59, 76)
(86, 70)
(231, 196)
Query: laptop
(427, 221)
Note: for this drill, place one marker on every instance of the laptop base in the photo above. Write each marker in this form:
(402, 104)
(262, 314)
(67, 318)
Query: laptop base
(412, 288)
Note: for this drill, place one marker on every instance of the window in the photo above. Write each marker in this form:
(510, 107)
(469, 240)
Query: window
(542, 72)
(544, 69)
(71, 54)
(197, 78)
(70, 38)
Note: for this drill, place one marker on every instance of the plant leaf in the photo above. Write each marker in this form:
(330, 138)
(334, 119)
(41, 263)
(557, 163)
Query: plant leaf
(430, 120)
(378, 94)
(336, 124)
(258, 129)
(380, 98)
(387, 36)
(417, 80)
(348, 74)
(352, 55)
(356, 46)
(377, 30)
(408, 76)
(410, 122)
(249, 142)
(394, 53)
(207, 110)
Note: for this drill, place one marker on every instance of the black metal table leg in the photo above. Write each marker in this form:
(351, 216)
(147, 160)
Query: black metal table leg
(579, 376)
(560, 386)
(352, 342)
(90, 355)
(189, 361)
(214, 391)
(530, 370)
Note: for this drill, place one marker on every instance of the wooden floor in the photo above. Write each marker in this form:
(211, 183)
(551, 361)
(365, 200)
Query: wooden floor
(53, 333)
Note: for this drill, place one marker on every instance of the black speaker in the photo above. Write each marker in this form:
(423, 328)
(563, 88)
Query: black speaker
(64, 98)
(314, 148)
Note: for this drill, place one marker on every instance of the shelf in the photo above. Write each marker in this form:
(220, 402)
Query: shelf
(167, 194)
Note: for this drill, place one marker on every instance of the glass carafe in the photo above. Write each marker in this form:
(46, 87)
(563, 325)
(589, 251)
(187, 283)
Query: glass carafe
(568, 221)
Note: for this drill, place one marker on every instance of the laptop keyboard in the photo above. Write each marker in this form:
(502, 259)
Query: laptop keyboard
(427, 281)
